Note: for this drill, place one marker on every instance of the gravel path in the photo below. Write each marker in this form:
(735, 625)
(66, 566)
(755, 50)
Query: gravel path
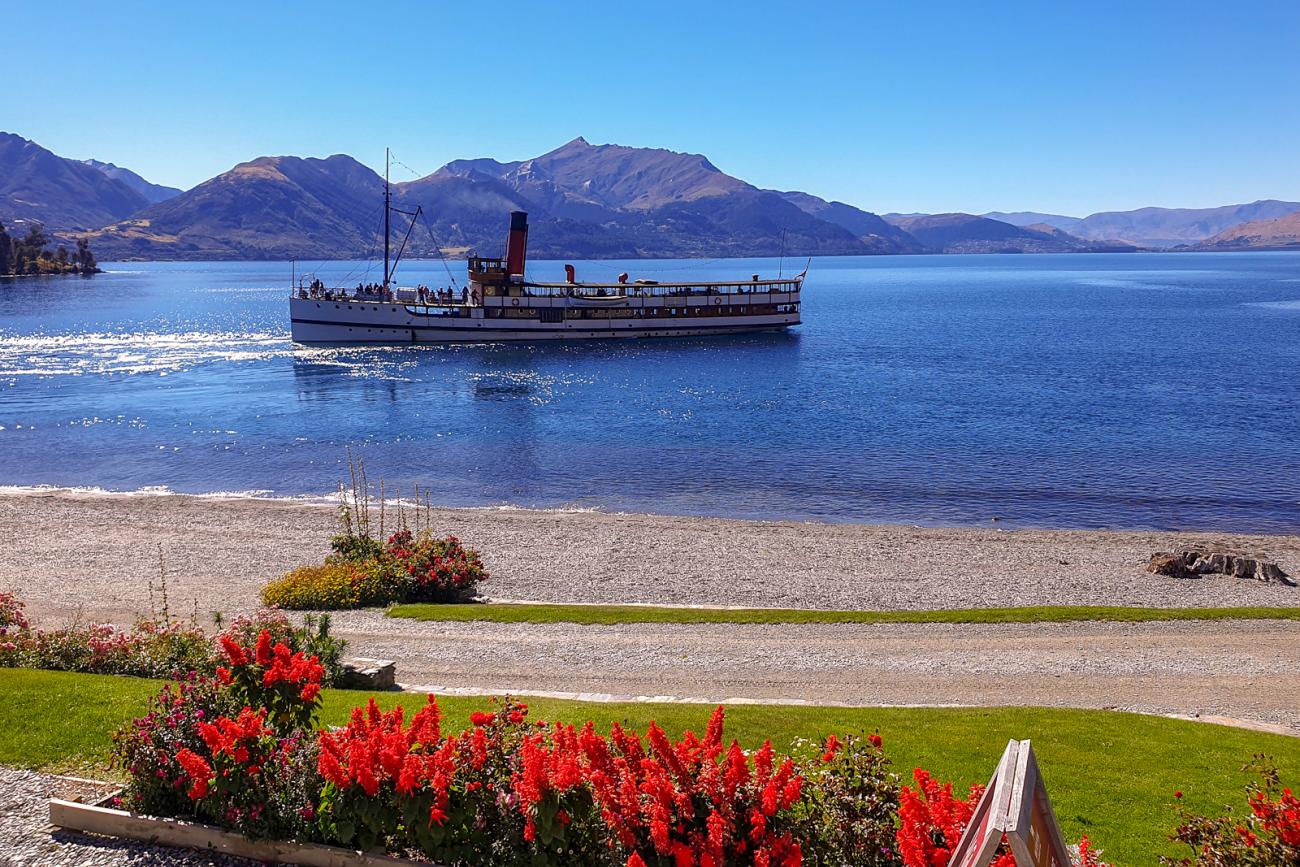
(92, 556)
(1244, 669)
(27, 840)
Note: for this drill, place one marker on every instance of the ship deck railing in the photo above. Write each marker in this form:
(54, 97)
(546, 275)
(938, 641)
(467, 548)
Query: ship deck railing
(646, 290)
(581, 291)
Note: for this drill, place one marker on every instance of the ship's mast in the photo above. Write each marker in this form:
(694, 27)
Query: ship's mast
(387, 194)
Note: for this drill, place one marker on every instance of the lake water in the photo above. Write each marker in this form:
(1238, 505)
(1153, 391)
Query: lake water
(1143, 390)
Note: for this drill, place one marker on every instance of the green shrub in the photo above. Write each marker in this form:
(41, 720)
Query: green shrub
(150, 648)
(410, 567)
(157, 648)
(352, 548)
(313, 638)
(331, 585)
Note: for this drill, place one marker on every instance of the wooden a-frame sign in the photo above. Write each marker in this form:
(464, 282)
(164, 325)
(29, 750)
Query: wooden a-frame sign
(1015, 804)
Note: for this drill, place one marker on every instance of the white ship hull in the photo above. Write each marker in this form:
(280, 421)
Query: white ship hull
(351, 321)
(498, 304)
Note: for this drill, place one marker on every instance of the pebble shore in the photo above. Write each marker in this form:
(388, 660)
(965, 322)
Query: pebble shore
(92, 557)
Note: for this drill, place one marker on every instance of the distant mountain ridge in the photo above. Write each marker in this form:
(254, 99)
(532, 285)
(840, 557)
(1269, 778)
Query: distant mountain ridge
(1169, 227)
(39, 186)
(153, 193)
(966, 233)
(584, 201)
(1156, 227)
(1031, 218)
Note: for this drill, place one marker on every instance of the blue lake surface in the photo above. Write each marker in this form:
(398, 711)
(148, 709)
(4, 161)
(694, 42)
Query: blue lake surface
(1141, 390)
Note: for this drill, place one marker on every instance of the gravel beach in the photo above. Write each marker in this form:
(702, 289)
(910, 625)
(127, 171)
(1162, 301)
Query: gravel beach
(92, 556)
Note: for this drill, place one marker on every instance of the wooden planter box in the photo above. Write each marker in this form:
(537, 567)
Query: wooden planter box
(73, 816)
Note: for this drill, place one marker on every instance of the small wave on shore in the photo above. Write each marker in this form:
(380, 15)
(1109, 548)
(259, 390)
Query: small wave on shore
(146, 491)
(330, 498)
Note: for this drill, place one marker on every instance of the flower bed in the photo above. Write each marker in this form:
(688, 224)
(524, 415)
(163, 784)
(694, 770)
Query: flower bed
(242, 751)
(153, 647)
(361, 571)
(1268, 833)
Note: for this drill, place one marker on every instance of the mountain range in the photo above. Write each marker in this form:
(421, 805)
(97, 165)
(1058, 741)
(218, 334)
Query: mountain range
(61, 194)
(584, 201)
(1157, 227)
(966, 233)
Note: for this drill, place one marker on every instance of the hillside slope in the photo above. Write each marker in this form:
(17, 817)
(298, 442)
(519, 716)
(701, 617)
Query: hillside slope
(36, 185)
(1280, 234)
(269, 208)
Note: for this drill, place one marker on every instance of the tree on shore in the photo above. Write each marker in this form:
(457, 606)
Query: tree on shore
(86, 259)
(28, 254)
(6, 250)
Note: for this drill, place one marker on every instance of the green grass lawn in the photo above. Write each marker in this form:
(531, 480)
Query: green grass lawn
(1110, 775)
(609, 615)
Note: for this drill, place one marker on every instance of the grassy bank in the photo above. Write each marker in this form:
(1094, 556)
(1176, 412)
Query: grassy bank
(1111, 775)
(611, 615)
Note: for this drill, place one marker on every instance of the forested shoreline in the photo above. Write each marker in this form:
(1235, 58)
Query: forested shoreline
(31, 255)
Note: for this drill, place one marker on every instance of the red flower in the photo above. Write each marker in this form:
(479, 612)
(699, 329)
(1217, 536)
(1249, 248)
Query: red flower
(264, 648)
(234, 652)
(875, 740)
(198, 771)
(329, 769)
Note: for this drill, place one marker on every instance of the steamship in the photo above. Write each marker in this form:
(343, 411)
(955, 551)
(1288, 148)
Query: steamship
(501, 304)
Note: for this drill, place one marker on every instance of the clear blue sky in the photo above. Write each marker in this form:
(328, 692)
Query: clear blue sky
(892, 106)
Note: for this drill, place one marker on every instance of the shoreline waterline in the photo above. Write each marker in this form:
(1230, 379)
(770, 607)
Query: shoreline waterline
(332, 500)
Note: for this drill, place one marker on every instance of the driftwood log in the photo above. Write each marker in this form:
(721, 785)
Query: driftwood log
(1194, 564)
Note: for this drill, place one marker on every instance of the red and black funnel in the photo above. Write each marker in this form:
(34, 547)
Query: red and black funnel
(517, 244)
